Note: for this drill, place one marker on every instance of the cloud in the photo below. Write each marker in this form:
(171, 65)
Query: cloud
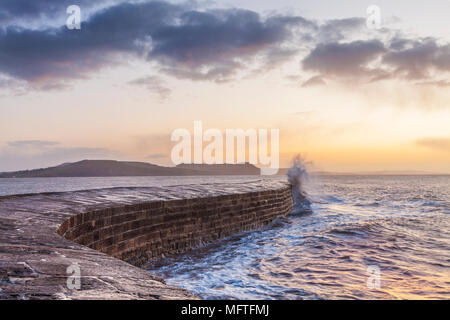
(14, 9)
(438, 144)
(421, 59)
(418, 59)
(5, 83)
(219, 73)
(188, 41)
(212, 44)
(44, 12)
(153, 84)
(335, 30)
(199, 45)
(27, 154)
(55, 54)
(344, 59)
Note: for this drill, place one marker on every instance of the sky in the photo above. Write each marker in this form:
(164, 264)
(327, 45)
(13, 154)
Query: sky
(345, 95)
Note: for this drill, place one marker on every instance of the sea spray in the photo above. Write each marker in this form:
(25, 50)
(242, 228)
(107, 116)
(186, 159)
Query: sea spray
(297, 175)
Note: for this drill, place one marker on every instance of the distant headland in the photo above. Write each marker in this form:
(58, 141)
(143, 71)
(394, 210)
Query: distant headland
(113, 168)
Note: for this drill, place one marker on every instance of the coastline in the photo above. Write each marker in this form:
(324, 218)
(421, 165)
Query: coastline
(135, 225)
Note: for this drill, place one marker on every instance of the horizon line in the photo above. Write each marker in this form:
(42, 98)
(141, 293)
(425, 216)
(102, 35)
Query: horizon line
(312, 172)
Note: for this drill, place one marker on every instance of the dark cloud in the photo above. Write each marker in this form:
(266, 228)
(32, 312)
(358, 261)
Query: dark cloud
(207, 45)
(344, 59)
(204, 38)
(398, 43)
(13, 9)
(214, 45)
(439, 144)
(372, 60)
(418, 59)
(186, 41)
(22, 11)
(46, 55)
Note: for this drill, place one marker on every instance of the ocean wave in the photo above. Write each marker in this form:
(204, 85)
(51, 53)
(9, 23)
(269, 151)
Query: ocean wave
(355, 223)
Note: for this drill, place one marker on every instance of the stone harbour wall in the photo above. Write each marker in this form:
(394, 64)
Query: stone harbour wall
(109, 233)
(144, 232)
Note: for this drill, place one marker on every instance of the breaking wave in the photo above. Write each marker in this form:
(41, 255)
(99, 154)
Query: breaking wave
(297, 177)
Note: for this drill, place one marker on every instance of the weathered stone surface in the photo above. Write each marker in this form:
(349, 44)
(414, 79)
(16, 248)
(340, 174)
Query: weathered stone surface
(108, 232)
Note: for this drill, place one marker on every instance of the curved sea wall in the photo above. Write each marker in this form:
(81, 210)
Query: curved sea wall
(109, 233)
(144, 232)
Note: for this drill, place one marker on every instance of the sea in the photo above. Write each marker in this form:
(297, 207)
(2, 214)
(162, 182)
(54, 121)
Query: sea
(365, 237)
